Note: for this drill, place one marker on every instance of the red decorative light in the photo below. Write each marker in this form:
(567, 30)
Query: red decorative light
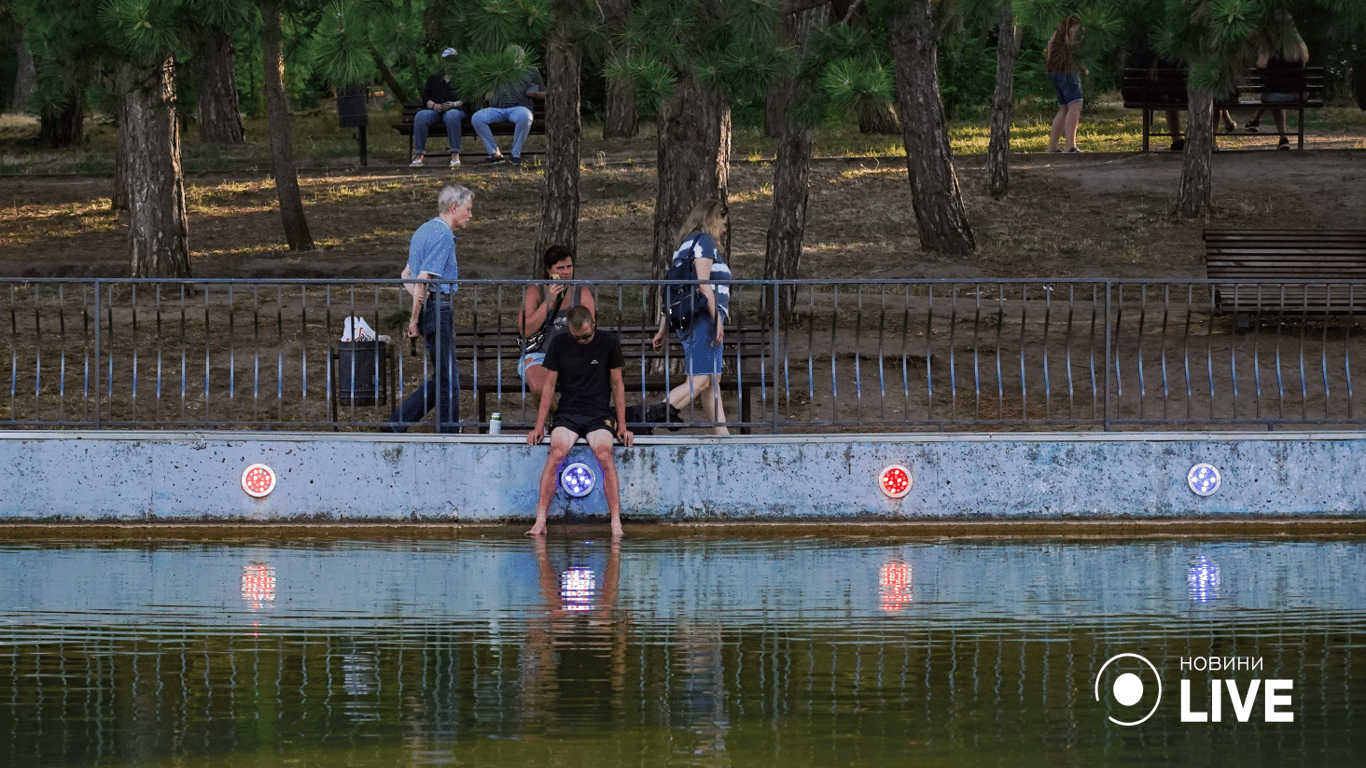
(258, 480)
(895, 481)
(258, 584)
(894, 583)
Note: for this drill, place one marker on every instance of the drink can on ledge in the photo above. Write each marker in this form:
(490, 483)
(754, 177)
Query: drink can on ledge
(496, 424)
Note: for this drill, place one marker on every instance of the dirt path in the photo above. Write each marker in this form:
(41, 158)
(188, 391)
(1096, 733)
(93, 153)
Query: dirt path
(1094, 214)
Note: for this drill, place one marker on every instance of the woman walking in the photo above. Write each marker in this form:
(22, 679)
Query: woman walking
(701, 232)
(1063, 66)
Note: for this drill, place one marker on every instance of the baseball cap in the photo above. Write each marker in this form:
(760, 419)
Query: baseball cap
(448, 53)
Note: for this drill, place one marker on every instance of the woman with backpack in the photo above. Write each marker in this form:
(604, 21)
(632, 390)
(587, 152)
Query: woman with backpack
(702, 335)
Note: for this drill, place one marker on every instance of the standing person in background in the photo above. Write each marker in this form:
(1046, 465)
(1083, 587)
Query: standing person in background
(701, 232)
(1281, 56)
(431, 256)
(440, 104)
(1062, 63)
(510, 103)
(543, 313)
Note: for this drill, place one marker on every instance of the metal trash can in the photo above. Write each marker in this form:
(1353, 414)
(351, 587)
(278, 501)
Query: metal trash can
(362, 372)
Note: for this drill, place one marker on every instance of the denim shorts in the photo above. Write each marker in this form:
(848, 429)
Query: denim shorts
(1068, 87)
(1279, 98)
(700, 348)
(528, 360)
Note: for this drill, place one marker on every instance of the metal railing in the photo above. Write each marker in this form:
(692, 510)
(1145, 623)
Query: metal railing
(858, 355)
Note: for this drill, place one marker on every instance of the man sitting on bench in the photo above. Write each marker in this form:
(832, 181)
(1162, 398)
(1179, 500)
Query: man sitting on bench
(439, 105)
(585, 365)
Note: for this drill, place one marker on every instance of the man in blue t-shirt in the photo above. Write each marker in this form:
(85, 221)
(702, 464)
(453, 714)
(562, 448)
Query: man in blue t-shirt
(585, 365)
(431, 256)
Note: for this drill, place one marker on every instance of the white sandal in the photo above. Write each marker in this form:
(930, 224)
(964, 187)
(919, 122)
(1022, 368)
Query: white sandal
(416, 163)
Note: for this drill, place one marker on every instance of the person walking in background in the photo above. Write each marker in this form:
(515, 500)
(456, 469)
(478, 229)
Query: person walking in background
(511, 103)
(431, 256)
(700, 234)
(543, 313)
(1062, 63)
(1281, 56)
(585, 365)
(440, 104)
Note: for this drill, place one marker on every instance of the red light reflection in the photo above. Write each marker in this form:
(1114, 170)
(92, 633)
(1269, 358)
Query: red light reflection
(894, 582)
(258, 584)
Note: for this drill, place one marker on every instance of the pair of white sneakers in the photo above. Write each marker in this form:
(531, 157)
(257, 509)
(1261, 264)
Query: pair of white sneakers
(417, 161)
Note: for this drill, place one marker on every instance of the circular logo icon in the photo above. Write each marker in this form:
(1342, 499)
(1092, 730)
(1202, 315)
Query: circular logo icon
(1127, 686)
(577, 480)
(1203, 479)
(895, 481)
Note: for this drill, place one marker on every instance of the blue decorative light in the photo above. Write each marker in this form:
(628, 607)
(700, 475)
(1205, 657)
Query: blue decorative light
(1202, 580)
(577, 480)
(578, 589)
(1203, 479)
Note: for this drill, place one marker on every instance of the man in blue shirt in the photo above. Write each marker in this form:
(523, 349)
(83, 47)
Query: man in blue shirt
(431, 256)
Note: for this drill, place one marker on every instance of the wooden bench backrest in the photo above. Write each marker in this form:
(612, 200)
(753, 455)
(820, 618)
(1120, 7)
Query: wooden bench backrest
(1287, 270)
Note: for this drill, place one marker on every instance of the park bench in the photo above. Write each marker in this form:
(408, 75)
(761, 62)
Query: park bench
(1159, 89)
(488, 362)
(410, 109)
(1286, 271)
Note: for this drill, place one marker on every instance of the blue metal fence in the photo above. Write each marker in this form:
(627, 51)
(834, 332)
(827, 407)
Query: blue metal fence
(893, 355)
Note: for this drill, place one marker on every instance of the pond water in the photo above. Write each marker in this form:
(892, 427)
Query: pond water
(804, 651)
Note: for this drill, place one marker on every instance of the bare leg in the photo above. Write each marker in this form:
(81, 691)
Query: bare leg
(1279, 116)
(684, 393)
(1070, 121)
(535, 380)
(600, 440)
(1056, 131)
(561, 440)
(718, 413)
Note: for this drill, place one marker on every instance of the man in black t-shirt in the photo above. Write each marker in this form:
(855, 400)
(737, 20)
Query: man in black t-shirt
(585, 366)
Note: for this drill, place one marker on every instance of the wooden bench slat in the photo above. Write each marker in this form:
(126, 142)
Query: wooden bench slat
(1287, 271)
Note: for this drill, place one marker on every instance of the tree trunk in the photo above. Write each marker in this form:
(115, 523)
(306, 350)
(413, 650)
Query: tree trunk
(158, 234)
(935, 195)
(564, 140)
(1196, 194)
(1002, 105)
(218, 113)
(118, 202)
(791, 168)
(693, 161)
(619, 118)
(63, 125)
(281, 144)
(25, 75)
(877, 120)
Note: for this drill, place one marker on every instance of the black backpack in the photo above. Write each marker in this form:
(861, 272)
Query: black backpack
(684, 301)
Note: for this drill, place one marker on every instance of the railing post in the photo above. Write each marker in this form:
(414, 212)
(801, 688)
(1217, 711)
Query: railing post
(1109, 372)
(773, 352)
(98, 369)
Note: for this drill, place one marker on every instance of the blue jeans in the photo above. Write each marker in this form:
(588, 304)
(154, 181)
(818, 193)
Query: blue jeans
(520, 117)
(442, 389)
(426, 118)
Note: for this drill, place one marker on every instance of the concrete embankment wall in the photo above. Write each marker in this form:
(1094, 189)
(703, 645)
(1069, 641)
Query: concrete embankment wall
(197, 476)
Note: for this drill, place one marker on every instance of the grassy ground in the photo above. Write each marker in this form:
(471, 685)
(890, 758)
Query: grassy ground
(319, 142)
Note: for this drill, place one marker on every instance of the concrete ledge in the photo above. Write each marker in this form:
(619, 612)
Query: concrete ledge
(195, 476)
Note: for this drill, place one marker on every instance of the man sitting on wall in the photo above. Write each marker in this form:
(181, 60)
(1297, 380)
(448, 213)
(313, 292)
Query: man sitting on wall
(585, 365)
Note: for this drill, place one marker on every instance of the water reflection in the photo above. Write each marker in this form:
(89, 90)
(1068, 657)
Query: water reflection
(804, 652)
(1203, 580)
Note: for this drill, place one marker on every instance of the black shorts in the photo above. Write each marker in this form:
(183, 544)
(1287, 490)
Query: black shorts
(583, 425)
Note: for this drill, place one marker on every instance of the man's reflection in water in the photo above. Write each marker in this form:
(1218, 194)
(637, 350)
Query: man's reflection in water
(573, 667)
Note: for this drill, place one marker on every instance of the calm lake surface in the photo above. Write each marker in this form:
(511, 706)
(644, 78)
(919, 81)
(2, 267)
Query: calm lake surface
(493, 651)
